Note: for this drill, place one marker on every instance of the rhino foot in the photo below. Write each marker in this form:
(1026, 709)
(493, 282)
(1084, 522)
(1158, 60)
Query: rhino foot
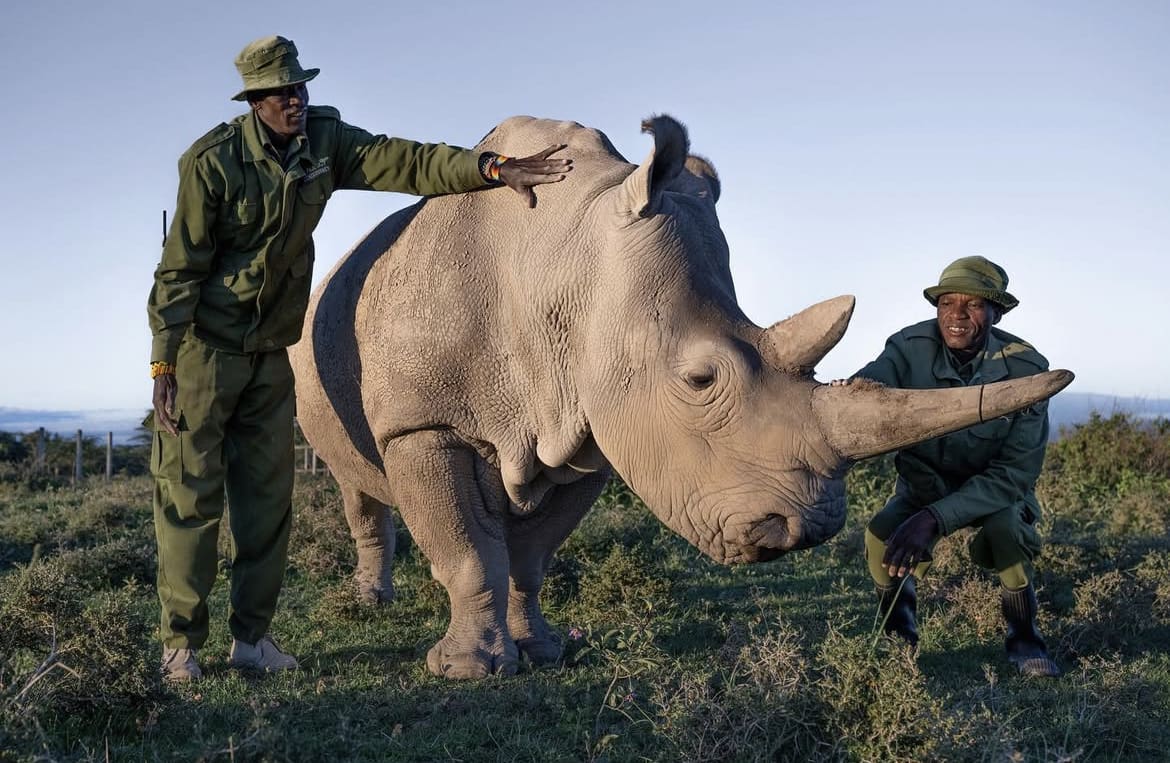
(374, 591)
(446, 662)
(536, 640)
(375, 595)
(541, 651)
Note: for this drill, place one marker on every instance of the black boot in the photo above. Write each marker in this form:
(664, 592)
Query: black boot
(1025, 647)
(902, 609)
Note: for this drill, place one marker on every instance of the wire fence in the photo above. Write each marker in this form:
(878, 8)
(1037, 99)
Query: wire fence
(306, 460)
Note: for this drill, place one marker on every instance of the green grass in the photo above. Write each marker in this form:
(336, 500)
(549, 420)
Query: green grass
(676, 658)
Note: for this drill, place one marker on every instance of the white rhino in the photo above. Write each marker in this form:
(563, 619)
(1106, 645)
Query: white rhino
(481, 366)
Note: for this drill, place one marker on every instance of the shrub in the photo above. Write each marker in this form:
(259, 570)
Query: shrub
(876, 699)
(320, 543)
(66, 650)
(620, 585)
(755, 704)
(1090, 463)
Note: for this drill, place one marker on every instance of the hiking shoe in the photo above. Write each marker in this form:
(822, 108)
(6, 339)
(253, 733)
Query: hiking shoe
(264, 656)
(179, 666)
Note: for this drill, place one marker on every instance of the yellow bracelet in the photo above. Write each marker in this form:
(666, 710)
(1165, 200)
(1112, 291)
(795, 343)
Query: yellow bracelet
(160, 367)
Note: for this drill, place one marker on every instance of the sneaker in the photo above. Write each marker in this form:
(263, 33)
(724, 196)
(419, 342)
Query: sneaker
(179, 666)
(264, 656)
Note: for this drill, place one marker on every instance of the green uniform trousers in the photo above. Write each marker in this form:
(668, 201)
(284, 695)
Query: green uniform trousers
(1005, 538)
(235, 414)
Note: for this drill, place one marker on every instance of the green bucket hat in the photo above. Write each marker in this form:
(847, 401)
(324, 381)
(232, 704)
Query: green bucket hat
(977, 276)
(270, 62)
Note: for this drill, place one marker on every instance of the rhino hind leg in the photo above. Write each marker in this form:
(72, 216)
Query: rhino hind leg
(532, 541)
(457, 525)
(372, 527)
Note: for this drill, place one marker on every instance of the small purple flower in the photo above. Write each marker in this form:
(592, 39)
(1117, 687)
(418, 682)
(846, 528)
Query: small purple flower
(629, 697)
(576, 634)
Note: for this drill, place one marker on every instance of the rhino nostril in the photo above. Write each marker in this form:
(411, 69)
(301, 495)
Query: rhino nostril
(774, 533)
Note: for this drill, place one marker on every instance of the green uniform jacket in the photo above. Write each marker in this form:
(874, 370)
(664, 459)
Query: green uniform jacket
(237, 264)
(976, 471)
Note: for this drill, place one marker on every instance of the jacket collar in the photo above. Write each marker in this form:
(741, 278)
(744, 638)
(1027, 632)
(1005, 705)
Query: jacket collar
(990, 365)
(257, 143)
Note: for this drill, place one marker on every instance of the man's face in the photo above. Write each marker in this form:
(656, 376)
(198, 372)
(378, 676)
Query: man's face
(964, 320)
(284, 110)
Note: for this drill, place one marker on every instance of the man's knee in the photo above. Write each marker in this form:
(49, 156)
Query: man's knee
(1004, 540)
(896, 511)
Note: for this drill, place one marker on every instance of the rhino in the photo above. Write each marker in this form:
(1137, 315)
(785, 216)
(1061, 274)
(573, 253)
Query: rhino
(484, 366)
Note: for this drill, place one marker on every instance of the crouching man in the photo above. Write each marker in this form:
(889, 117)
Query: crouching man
(982, 477)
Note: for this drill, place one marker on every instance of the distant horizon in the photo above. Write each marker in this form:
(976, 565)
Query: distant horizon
(1067, 408)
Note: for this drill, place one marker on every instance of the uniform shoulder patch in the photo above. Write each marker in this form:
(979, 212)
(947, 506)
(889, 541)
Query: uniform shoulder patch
(1016, 350)
(214, 137)
(324, 112)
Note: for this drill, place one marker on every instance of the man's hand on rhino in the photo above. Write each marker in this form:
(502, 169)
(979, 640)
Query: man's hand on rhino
(166, 390)
(521, 174)
(910, 543)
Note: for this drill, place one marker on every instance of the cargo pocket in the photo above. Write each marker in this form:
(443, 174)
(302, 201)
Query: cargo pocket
(311, 205)
(166, 451)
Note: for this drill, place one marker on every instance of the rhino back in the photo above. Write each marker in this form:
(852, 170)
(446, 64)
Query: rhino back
(461, 312)
(328, 367)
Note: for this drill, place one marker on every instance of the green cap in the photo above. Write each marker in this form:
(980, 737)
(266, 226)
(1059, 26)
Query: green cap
(977, 276)
(270, 62)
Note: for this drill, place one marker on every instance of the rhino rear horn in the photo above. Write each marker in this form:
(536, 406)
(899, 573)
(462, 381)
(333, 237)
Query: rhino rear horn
(864, 419)
(798, 343)
(642, 190)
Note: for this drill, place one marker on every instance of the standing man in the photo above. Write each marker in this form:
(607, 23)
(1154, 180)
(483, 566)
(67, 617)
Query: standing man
(983, 476)
(229, 296)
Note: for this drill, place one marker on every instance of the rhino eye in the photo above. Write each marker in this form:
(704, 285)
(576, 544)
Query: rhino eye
(700, 380)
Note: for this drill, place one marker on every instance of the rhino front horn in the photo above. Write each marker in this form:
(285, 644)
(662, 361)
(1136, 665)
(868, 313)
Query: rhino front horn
(865, 419)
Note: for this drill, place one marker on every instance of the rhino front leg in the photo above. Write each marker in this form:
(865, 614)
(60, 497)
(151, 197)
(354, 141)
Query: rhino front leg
(532, 541)
(461, 533)
(372, 528)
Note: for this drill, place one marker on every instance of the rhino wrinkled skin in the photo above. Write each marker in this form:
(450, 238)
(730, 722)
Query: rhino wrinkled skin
(482, 366)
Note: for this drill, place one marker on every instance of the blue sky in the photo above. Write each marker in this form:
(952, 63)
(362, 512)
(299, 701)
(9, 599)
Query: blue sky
(862, 146)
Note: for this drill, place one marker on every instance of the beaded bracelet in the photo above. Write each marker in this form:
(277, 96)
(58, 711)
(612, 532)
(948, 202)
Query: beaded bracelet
(160, 367)
(494, 167)
(489, 166)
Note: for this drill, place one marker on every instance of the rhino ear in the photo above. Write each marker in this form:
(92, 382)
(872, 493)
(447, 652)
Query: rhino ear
(701, 167)
(642, 190)
(798, 343)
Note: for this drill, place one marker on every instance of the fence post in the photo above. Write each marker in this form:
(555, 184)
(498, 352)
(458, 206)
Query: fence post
(39, 463)
(77, 461)
(109, 455)
(314, 462)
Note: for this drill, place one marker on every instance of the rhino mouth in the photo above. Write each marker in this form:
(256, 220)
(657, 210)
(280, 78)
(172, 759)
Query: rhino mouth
(777, 534)
(769, 538)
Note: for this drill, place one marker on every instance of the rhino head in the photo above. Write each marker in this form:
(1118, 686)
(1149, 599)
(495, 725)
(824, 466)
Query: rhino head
(717, 423)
